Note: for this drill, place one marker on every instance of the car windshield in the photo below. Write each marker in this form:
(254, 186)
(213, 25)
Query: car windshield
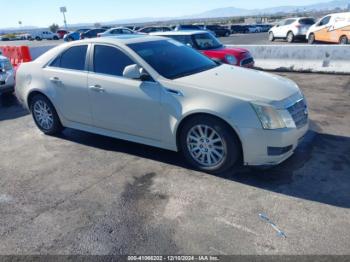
(206, 41)
(172, 59)
(82, 31)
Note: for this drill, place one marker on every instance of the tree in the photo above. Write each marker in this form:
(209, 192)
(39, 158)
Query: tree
(54, 27)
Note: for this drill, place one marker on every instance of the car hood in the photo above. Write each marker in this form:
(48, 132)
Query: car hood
(245, 84)
(229, 51)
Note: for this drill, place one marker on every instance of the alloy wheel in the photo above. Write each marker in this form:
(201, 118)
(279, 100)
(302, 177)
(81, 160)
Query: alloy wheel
(43, 114)
(206, 146)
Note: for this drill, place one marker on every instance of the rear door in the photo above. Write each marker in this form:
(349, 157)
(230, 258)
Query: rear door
(67, 78)
(285, 28)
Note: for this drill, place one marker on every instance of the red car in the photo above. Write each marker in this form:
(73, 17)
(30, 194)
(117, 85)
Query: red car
(61, 33)
(210, 46)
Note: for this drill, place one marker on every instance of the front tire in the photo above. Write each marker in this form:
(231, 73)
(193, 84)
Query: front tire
(290, 37)
(271, 37)
(209, 145)
(312, 39)
(343, 40)
(45, 115)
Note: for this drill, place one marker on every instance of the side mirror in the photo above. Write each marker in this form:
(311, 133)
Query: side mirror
(136, 72)
(277, 25)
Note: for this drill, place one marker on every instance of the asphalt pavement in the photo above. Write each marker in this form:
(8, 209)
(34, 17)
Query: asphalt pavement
(80, 193)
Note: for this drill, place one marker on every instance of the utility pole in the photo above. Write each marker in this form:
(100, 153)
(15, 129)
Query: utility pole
(63, 10)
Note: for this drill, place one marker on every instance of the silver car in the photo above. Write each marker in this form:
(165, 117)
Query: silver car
(7, 76)
(160, 92)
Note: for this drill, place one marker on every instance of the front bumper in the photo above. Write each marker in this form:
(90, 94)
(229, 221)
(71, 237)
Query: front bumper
(259, 143)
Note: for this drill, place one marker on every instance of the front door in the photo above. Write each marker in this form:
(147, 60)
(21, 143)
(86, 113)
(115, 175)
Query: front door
(119, 104)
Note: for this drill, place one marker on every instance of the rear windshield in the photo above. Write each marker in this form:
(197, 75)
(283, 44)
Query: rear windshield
(307, 21)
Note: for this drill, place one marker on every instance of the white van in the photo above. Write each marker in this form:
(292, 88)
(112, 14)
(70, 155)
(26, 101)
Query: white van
(40, 35)
(333, 28)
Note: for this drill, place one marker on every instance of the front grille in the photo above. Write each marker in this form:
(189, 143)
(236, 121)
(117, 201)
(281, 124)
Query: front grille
(299, 113)
(247, 61)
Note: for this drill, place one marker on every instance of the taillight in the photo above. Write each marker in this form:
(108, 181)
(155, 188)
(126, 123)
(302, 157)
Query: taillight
(298, 25)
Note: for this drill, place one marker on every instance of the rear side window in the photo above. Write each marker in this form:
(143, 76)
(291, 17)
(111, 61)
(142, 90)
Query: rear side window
(185, 39)
(289, 21)
(307, 21)
(73, 58)
(110, 60)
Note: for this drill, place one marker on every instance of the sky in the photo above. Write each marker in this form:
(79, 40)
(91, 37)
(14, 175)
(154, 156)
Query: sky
(46, 12)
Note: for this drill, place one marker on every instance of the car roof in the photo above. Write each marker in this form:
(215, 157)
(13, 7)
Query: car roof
(184, 32)
(123, 39)
(119, 27)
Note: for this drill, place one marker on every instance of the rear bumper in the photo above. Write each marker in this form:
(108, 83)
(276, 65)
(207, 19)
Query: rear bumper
(270, 147)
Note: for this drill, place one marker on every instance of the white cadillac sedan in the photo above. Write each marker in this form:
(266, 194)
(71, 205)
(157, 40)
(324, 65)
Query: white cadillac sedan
(159, 92)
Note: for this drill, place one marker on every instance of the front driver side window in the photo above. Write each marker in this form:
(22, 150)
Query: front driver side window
(325, 21)
(110, 60)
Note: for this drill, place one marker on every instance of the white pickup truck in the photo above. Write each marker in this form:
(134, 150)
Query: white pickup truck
(40, 35)
(7, 75)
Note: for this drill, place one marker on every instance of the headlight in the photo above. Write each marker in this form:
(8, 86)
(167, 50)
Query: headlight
(272, 118)
(231, 60)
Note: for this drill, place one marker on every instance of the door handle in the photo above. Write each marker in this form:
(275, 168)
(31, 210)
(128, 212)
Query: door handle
(97, 88)
(174, 92)
(55, 80)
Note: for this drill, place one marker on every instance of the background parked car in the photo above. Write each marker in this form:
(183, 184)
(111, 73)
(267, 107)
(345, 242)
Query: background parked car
(151, 29)
(239, 29)
(264, 27)
(92, 33)
(73, 36)
(333, 28)
(210, 46)
(187, 27)
(116, 31)
(218, 30)
(7, 75)
(254, 29)
(40, 35)
(291, 29)
(61, 33)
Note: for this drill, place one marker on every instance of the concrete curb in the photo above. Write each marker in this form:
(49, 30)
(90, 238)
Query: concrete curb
(301, 58)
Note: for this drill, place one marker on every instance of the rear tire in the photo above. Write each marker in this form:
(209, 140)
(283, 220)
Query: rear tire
(209, 145)
(45, 115)
(343, 40)
(271, 37)
(290, 37)
(312, 39)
